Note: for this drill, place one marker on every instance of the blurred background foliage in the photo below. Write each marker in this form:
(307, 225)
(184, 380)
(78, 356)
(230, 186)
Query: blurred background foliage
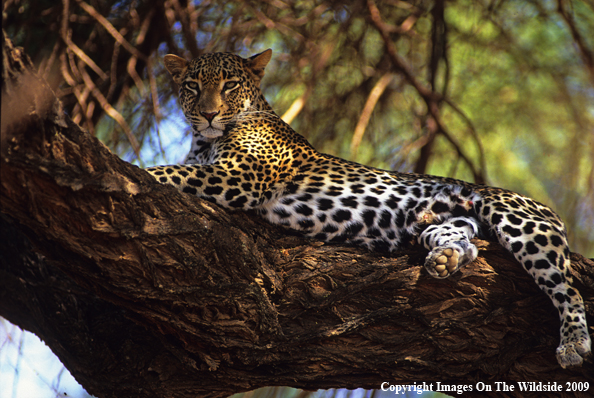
(493, 91)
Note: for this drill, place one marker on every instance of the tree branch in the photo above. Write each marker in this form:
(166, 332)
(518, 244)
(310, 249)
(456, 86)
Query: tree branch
(144, 291)
(431, 98)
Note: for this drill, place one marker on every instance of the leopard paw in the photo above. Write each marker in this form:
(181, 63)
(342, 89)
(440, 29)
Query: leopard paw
(443, 261)
(572, 353)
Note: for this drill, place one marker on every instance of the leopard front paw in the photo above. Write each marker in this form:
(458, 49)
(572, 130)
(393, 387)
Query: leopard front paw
(443, 261)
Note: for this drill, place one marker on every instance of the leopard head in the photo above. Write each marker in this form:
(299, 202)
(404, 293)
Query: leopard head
(216, 88)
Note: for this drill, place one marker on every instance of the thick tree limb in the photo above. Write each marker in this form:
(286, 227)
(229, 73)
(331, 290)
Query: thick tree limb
(144, 291)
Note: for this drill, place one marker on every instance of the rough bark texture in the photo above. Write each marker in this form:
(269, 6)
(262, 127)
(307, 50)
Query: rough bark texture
(144, 291)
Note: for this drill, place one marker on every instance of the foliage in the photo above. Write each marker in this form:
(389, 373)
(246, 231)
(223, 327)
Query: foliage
(415, 86)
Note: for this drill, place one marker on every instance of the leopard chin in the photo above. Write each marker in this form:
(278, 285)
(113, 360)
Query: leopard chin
(210, 132)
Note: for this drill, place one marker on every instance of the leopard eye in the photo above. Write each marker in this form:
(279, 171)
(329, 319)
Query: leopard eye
(192, 86)
(230, 85)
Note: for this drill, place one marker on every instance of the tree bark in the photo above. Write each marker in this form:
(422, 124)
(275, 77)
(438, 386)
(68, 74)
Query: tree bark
(144, 291)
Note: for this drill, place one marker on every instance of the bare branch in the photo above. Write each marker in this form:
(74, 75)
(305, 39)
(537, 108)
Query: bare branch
(111, 30)
(84, 57)
(431, 98)
(372, 99)
(114, 114)
(585, 52)
(295, 108)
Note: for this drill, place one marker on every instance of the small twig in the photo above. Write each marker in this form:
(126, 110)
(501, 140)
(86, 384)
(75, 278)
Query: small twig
(372, 99)
(294, 109)
(76, 116)
(144, 27)
(110, 110)
(474, 134)
(46, 65)
(131, 69)
(84, 57)
(113, 70)
(297, 106)
(154, 92)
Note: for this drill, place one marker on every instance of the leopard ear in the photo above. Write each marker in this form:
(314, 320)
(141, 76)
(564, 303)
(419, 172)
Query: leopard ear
(176, 66)
(257, 63)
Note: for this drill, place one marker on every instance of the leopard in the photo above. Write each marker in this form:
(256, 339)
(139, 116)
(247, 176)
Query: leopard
(245, 157)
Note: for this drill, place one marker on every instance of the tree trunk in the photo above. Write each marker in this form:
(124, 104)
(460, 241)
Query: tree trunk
(144, 291)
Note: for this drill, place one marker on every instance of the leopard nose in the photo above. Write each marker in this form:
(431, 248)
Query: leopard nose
(209, 115)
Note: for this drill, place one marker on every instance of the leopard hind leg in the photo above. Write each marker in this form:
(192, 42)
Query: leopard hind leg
(537, 238)
(551, 271)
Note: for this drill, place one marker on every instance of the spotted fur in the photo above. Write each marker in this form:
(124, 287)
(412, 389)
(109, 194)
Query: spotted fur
(244, 157)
